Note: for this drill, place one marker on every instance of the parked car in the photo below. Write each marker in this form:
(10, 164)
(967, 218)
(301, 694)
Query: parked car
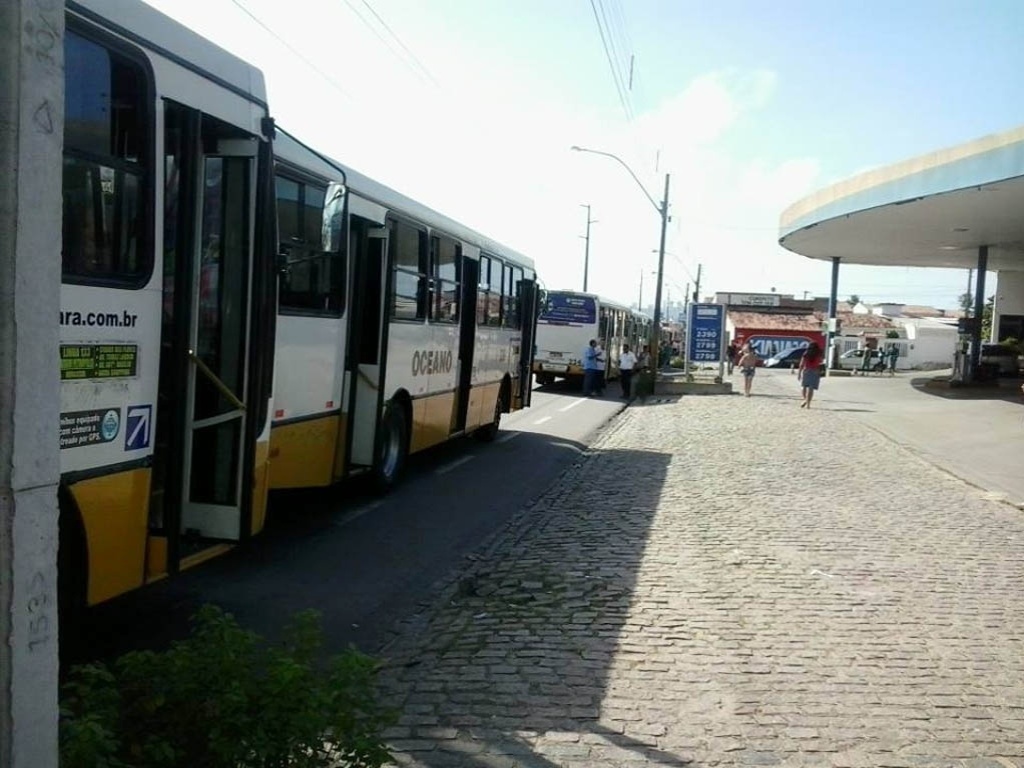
(854, 360)
(788, 359)
(1001, 355)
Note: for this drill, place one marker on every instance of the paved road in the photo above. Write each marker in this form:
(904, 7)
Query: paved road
(728, 582)
(363, 561)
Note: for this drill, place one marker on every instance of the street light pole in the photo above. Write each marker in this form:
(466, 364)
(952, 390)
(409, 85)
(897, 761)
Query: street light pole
(586, 248)
(662, 210)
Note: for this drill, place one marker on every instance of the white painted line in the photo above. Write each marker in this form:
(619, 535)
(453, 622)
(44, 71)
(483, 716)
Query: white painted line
(457, 463)
(573, 404)
(541, 421)
(358, 512)
(507, 437)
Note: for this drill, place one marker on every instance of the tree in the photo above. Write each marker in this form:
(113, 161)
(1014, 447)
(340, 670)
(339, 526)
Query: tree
(986, 318)
(966, 302)
(854, 300)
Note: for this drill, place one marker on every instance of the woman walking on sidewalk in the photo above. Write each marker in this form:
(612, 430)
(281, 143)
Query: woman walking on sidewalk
(748, 365)
(810, 372)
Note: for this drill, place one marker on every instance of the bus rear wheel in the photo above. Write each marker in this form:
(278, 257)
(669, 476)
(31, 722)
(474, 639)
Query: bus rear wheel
(393, 448)
(488, 432)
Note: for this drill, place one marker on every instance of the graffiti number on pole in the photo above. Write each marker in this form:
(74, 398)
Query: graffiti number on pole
(39, 607)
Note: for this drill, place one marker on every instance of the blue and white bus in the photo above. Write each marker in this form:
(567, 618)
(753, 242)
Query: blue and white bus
(569, 320)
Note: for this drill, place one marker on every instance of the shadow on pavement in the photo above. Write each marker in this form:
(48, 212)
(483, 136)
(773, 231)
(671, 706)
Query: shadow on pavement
(362, 560)
(515, 658)
(1006, 389)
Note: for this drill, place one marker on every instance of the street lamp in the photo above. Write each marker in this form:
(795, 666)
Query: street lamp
(663, 212)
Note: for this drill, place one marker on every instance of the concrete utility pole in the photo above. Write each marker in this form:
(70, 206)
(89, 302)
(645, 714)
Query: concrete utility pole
(586, 248)
(31, 143)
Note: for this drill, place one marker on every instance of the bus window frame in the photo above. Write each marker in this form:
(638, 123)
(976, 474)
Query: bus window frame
(147, 187)
(423, 275)
(436, 282)
(340, 256)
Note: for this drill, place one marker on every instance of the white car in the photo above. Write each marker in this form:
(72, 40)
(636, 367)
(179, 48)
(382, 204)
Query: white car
(854, 359)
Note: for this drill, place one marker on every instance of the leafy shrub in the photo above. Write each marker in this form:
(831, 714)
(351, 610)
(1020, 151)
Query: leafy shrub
(224, 698)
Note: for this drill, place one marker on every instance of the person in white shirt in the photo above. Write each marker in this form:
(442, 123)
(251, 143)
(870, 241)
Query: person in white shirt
(627, 362)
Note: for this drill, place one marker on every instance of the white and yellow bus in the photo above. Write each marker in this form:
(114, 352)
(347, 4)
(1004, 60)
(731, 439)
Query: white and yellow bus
(570, 319)
(168, 294)
(199, 244)
(398, 328)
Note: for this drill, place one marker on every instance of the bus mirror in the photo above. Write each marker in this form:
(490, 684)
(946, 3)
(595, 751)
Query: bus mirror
(334, 215)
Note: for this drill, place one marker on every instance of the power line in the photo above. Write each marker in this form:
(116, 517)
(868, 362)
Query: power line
(421, 72)
(405, 48)
(294, 50)
(623, 97)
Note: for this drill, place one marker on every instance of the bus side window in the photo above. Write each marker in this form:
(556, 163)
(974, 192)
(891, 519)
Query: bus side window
(314, 280)
(483, 288)
(513, 313)
(494, 292)
(409, 255)
(105, 167)
(445, 279)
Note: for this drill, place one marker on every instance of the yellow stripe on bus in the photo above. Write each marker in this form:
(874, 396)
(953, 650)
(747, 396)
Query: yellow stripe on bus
(431, 420)
(260, 478)
(302, 453)
(114, 513)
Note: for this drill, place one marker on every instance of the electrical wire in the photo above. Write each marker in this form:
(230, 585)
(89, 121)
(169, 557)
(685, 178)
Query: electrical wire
(419, 70)
(623, 97)
(290, 47)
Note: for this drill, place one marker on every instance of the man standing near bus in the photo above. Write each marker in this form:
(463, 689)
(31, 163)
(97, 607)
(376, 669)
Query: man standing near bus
(590, 369)
(627, 362)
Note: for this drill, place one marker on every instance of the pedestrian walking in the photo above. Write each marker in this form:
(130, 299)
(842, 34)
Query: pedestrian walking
(590, 356)
(644, 360)
(627, 362)
(599, 379)
(865, 362)
(748, 366)
(810, 372)
(730, 356)
(894, 353)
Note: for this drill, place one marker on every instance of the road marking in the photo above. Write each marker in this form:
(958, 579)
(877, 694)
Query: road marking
(509, 436)
(358, 512)
(573, 404)
(541, 421)
(457, 463)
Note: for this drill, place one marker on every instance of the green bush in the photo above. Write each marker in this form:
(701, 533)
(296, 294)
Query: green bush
(224, 698)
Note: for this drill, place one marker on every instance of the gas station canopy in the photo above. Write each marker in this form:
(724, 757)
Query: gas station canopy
(935, 210)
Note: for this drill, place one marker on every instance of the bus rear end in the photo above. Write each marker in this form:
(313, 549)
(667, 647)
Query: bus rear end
(567, 322)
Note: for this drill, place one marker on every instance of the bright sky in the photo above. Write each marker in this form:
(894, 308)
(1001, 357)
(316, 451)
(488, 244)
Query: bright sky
(471, 107)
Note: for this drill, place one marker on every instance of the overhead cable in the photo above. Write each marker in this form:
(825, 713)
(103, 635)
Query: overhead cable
(334, 83)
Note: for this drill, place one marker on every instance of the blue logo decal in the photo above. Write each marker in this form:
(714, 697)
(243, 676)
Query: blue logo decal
(138, 427)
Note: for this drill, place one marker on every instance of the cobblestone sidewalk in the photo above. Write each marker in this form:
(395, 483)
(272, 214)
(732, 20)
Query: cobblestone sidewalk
(726, 581)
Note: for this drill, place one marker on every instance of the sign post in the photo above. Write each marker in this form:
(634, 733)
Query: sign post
(705, 334)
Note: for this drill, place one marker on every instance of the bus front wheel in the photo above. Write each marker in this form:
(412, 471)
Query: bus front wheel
(393, 447)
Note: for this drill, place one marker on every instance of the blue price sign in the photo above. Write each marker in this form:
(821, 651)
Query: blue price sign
(706, 330)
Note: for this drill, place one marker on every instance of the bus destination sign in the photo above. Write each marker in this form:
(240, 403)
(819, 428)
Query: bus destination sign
(561, 309)
(98, 361)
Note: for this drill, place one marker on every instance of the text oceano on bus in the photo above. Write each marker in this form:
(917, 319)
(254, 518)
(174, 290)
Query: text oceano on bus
(426, 362)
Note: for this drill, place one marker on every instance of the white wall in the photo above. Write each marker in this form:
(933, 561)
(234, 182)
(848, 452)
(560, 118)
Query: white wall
(1009, 297)
(932, 345)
